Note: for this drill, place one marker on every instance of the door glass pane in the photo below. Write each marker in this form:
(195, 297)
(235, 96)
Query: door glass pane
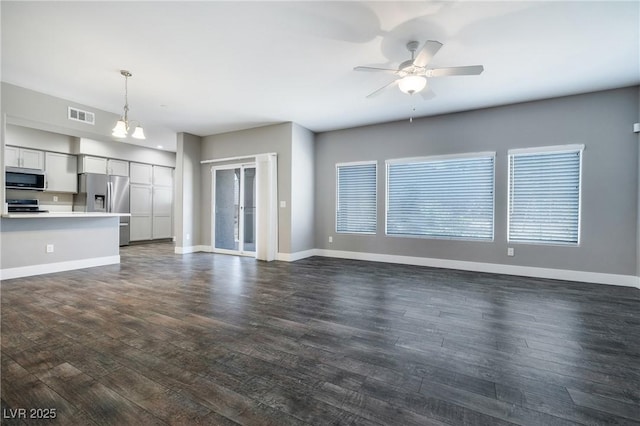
(227, 209)
(249, 209)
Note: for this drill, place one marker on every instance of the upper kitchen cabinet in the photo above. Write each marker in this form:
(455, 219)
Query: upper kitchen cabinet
(117, 167)
(162, 176)
(23, 157)
(62, 172)
(141, 173)
(88, 164)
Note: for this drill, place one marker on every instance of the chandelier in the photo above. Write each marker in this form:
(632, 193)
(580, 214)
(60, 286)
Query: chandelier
(121, 130)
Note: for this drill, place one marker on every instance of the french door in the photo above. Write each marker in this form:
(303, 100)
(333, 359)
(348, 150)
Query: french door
(234, 207)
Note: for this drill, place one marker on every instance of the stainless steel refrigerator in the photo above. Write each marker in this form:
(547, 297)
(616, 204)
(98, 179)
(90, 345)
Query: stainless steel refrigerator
(104, 193)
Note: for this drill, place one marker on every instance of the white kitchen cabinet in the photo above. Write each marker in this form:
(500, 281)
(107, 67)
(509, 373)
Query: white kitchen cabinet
(141, 173)
(151, 192)
(162, 227)
(12, 156)
(162, 202)
(162, 208)
(62, 172)
(24, 157)
(32, 159)
(162, 176)
(141, 212)
(117, 167)
(140, 228)
(88, 164)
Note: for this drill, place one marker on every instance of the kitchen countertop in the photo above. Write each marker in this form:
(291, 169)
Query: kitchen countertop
(53, 215)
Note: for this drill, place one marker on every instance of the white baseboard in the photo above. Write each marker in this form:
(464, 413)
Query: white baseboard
(495, 268)
(292, 257)
(49, 268)
(191, 249)
(526, 271)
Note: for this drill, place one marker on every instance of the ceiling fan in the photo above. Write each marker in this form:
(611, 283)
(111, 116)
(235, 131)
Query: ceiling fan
(412, 74)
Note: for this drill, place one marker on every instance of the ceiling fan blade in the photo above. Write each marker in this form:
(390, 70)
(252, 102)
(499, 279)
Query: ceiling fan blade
(374, 93)
(373, 69)
(427, 94)
(444, 72)
(429, 49)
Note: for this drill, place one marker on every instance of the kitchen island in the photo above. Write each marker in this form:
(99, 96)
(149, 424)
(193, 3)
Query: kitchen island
(42, 243)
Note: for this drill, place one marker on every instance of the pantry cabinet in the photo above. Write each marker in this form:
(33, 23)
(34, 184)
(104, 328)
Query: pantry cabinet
(151, 202)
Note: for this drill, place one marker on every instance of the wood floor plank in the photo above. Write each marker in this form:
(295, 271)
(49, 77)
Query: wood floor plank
(208, 339)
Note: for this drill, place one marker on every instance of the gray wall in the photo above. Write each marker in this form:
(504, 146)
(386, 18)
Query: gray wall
(64, 143)
(187, 191)
(275, 138)
(40, 139)
(302, 189)
(28, 238)
(36, 110)
(125, 151)
(601, 121)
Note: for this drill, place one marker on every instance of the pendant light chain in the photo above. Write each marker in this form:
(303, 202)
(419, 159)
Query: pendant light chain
(126, 74)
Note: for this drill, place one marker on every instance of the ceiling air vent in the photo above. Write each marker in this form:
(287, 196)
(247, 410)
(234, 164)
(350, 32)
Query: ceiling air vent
(76, 114)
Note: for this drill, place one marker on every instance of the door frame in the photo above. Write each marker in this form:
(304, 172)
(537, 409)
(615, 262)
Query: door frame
(242, 166)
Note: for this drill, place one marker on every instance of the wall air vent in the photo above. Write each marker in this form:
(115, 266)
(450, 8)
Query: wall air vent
(76, 114)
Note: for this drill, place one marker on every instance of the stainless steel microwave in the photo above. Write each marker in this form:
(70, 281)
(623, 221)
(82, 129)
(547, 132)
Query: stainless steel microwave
(21, 178)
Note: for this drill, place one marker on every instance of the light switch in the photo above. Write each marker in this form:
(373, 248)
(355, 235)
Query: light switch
(283, 204)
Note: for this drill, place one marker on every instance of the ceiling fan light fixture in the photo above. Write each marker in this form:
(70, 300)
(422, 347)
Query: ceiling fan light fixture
(412, 84)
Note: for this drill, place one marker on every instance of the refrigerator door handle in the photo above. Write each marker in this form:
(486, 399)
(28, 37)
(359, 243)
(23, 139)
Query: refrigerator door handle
(109, 197)
(113, 198)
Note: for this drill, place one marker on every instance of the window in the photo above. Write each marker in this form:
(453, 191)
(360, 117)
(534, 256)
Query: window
(544, 194)
(356, 204)
(441, 197)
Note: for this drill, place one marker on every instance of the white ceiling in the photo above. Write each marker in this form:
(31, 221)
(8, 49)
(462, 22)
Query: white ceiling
(212, 67)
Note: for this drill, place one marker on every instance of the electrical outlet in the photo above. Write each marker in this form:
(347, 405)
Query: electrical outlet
(330, 239)
(49, 248)
(188, 237)
(55, 198)
(510, 251)
(283, 204)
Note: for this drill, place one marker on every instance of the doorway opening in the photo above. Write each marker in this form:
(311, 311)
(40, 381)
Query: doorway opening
(234, 218)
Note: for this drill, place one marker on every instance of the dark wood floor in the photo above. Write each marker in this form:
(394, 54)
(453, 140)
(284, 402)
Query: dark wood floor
(214, 339)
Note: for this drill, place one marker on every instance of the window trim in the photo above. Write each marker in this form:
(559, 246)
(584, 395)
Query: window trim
(432, 158)
(552, 149)
(337, 198)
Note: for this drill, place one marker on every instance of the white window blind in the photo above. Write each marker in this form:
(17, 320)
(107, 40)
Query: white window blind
(544, 195)
(441, 197)
(356, 202)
